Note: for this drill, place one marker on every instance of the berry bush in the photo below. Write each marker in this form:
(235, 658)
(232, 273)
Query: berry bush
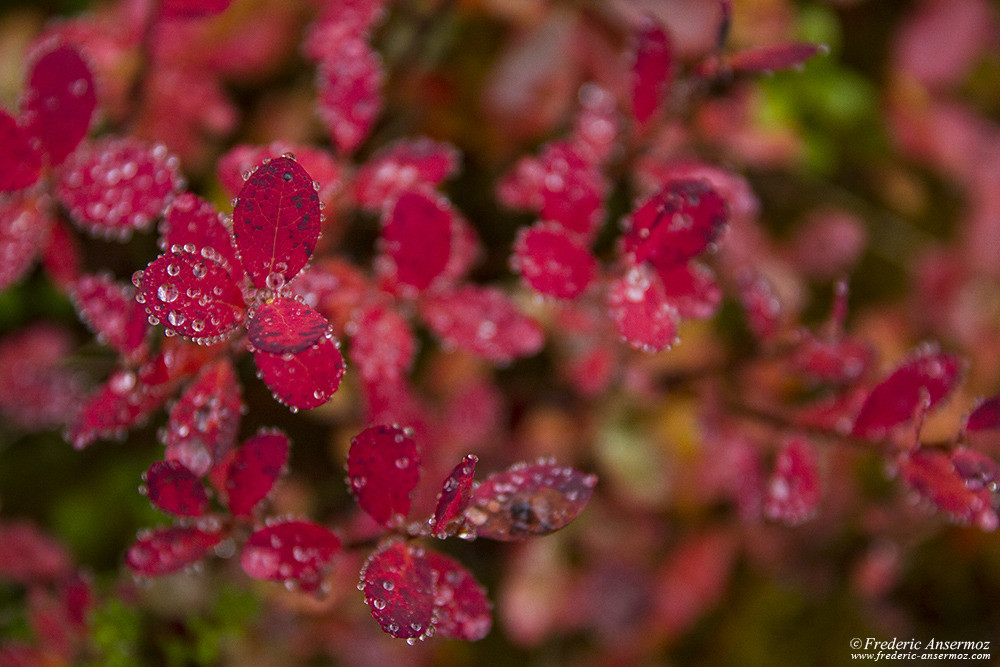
(497, 332)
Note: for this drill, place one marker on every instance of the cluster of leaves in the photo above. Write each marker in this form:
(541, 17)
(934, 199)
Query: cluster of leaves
(268, 281)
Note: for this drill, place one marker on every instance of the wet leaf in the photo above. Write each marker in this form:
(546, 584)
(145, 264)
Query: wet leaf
(677, 223)
(462, 608)
(691, 289)
(641, 312)
(454, 497)
(934, 477)
(59, 100)
(276, 222)
(285, 325)
(193, 224)
(407, 164)
(922, 381)
(398, 584)
(203, 423)
(298, 552)
(416, 239)
(191, 296)
(38, 389)
(349, 81)
(978, 470)
(113, 186)
(651, 69)
(110, 311)
(552, 261)
(528, 500)
(24, 228)
(306, 379)
(483, 321)
(775, 57)
(985, 417)
(167, 550)
(795, 489)
(27, 555)
(239, 162)
(383, 346)
(61, 257)
(383, 468)
(174, 489)
(125, 399)
(20, 162)
(256, 466)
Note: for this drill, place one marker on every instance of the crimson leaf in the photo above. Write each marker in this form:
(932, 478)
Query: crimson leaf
(398, 583)
(285, 325)
(167, 550)
(256, 466)
(174, 489)
(794, 491)
(552, 261)
(462, 609)
(298, 552)
(454, 497)
(651, 69)
(383, 468)
(59, 101)
(306, 379)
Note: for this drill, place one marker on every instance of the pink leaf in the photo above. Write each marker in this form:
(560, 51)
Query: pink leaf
(59, 100)
(483, 321)
(651, 69)
(454, 497)
(110, 311)
(416, 239)
(61, 257)
(761, 305)
(552, 261)
(203, 422)
(291, 551)
(193, 225)
(285, 326)
(528, 500)
(305, 379)
(38, 389)
(349, 81)
(192, 296)
(595, 128)
(20, 163)
(922, 381)
(125, 399)
(23, 231)
(408, 164)
(776, 56)
(639, 307)
(114, 186)
(692, 290)
(794, 491)
(383, 468)
(340, 22)
(192, 8)
(677, 223)
(934, 477)
(27, 555)
(838, 361)
(462, 609)
(276, 222)
(174, 489)
(167, 550)
(256, 466)
(398, 584)
(978, 470)
(985, 417)
(383, 347)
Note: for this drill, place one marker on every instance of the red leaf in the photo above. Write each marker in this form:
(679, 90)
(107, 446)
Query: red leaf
(349, 82)
(928, 376)
(934, 477)
(192, 8)
(483, 321)
(677, 223)
(794, 491)
(416, 239)
(110, 311)
(761, 306)
(408, 164)
(27, 555)
(194, 226)
(692, 580)
(284, 325)
(641, 312)
(23, 231)
(528, 500)
(691, 289)
(125, 399)
(276, 222)
(462, 609)
(382, 347)
(113, 186)
(174, 489)
(167, 550)
(651, 69)
(985, 417)
(192, 296)
(838, 361)
(595, 128)
(38, 389)
(552, 261)
(235, 166)
(256, 466)
(978, 470)
(20, 163)
(340, 22)
(203, 423)
(465, 250)
(292, 551)
(305, 379)
(776, 56)
(61, 257)
(399, 587)
(454, 497)
(383, 468)
(59, 100)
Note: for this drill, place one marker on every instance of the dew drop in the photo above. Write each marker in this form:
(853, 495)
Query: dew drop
(167, 293)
